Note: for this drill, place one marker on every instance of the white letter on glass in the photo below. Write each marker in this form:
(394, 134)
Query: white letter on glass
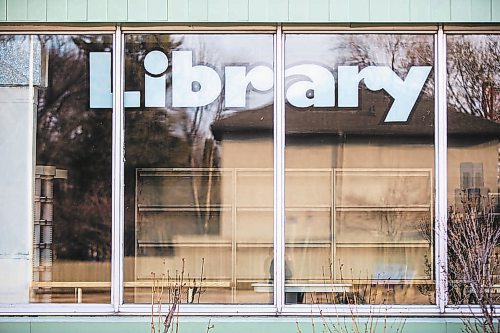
(319, 91)
(184, 74)
(155, 63)
(237, 81)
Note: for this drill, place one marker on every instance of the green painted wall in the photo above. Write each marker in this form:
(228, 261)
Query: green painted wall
(250, 11)
(227, 325)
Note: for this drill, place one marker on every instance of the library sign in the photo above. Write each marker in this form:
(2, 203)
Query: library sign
(311, 85)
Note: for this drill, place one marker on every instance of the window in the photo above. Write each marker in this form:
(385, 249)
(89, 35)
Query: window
(67, 260)
(198, 180)
(359, 168)
(259, 183)
(473, 168)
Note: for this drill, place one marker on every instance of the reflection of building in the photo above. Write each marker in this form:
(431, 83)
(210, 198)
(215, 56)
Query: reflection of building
(357, 189)
(43, 224)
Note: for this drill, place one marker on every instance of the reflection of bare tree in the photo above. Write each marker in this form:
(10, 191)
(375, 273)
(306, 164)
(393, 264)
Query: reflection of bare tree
(72, 137)
(203, 148)
(399, 52)
(473, 63)
(474, 236)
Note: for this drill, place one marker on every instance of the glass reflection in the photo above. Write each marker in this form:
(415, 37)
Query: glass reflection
(359, 169)
(198, 170)
(72, 199)
(473, 168)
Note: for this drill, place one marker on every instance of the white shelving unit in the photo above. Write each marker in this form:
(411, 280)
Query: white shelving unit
(331, 214)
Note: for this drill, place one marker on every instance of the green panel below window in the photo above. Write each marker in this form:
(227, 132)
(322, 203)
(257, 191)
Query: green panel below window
(226, 324)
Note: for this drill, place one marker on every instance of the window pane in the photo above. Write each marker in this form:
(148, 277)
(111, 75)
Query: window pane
(56, 240)
(359, 168)
(199, 167)
(473, 168)
(72, 190)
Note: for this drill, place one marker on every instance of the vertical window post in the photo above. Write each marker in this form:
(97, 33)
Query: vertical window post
(117, 198)
(441, 172)
(279, 173)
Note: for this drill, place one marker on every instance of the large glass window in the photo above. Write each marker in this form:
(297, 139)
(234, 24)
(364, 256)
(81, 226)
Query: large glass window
(473, 168)
(198, 170)
(359, 168)
(55, 240)
(199, 167)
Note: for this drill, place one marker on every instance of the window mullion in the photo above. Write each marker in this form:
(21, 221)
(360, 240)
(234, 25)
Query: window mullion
(441, 265)
(118, 158)
(279, 173)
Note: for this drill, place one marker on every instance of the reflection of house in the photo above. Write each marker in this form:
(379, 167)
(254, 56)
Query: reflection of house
(359, 138)
(357, 190)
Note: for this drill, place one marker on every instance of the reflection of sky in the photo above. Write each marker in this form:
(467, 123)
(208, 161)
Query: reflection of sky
(357, 49)
(310, 48)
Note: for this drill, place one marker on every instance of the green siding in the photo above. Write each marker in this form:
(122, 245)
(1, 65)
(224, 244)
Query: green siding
(441, 10)
(15, 327)
(117, 11)
(227, 325)
(17, 10)
(278, 11)
(198, 10)
(77, 10)
(495, 10)
(178, 10)
(460, 10)
(339, 10)
(238, 10)
(359, 11)
(314, 11)
(37, 10)
(57, 10)
(420, 11)
(258, 11)
(379, 10)
(97, 11)
(400, 10)
(218, 10)
(86, 327)
(137, 11)
(319, 10)
(157, 10)
(3, 10)
(480, 10)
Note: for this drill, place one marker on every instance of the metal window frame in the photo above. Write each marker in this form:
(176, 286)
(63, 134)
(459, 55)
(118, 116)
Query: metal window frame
(117, 306)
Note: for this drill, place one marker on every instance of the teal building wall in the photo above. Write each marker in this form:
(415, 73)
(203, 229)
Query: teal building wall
(233, 325)
(250, 11)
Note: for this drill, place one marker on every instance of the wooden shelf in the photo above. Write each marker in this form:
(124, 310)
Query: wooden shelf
(388, 208)
(184, 244)
(422, 244)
